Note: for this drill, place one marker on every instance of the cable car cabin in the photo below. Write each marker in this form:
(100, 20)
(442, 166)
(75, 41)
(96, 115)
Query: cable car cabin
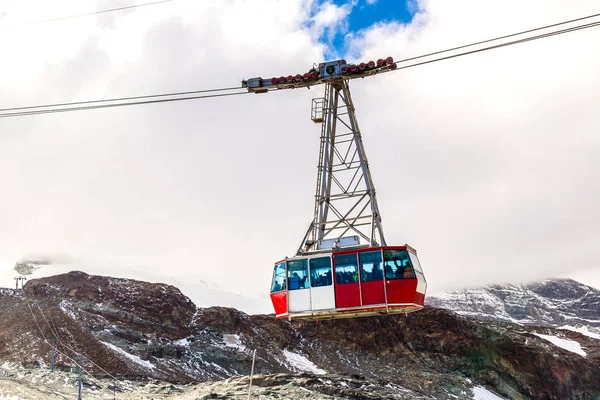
(348, 283)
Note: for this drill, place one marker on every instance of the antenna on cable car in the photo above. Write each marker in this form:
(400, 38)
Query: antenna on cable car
(345, 238)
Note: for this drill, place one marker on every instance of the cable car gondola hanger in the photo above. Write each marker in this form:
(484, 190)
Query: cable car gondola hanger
(343, 267)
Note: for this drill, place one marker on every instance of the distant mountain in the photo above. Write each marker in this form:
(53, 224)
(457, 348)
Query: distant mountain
(137, 331)
(202, 292)
(557, 303)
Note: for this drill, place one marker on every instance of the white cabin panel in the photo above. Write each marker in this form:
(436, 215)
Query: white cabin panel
(299, 300)
(421, 286)
(323, 298)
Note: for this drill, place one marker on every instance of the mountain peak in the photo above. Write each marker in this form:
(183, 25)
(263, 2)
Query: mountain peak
(552, 302)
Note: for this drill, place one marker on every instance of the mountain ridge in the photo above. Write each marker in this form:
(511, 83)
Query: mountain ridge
(550, 302)
(138, 330)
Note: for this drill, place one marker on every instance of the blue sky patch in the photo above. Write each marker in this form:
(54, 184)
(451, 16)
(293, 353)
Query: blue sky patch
(365, 14)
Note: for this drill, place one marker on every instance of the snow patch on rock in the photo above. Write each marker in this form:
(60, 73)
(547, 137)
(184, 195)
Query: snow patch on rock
(67, 308)
(235, 342)
(481, 393)
(567, 344)
(182, 342)
(135, 359)
(302, 363)
(581, 329)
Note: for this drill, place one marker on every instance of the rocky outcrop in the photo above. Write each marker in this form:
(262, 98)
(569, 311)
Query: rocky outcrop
(140, 330)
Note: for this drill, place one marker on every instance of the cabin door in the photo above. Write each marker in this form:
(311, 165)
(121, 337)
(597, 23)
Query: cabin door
(322, 296)
(371, 278)
(298, 285)
(347, 286)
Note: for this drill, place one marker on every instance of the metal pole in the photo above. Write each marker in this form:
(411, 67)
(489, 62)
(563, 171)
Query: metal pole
(251, 374)
(54, 343)
(79, 388)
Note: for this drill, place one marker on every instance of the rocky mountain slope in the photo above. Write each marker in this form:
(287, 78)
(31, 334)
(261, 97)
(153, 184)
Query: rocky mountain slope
(132, 331)
(559, 303)
(204, 293)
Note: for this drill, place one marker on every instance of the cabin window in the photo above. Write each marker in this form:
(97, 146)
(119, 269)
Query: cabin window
(417, 266)
(278, 278)
(346, 269)
(298, 274)
(370, 266)
(397, 265)
(320, 272)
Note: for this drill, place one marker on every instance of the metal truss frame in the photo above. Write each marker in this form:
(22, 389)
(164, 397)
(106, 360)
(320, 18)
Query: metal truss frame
(345, 201)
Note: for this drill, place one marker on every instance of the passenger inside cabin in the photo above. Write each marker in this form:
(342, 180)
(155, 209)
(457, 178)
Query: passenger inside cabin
(406, 269)
(377, 274)
(294, 281)
(398, 273)
(303, 283)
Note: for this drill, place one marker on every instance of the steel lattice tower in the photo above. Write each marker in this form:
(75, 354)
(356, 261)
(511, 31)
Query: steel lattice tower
(345, 200)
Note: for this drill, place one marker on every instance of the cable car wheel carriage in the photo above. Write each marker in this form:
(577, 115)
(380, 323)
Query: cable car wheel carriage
(333, 274)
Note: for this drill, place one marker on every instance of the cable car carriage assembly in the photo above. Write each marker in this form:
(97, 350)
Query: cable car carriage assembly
(343, 267)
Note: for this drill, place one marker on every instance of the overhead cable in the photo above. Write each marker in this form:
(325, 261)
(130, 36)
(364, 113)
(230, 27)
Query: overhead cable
(181, 96)
(55, 333)
(528, 39)
(78, 103)
(498, 38)
(55, 349)
(90, 13)
(113, 105)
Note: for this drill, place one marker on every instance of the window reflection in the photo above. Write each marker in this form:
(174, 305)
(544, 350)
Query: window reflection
(278, 283)
(346, 269)
(298, 274)
(417, 265)
(397, 264)
(370, 266)
(320, 271)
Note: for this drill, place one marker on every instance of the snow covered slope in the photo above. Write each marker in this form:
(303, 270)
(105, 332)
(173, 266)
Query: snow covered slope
(561, 303)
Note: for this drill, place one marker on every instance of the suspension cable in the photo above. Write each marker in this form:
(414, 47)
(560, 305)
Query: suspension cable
(528, 39)
(70, 348)
(181, 96)
(112, 105)
(498, 38)
(77, 103)
(87, 14)
(58, 351)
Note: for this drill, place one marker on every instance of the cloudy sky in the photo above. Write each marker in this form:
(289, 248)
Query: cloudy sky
(487, 164)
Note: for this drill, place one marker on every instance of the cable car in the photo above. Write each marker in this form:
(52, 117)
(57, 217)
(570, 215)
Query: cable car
(334, 274)
(348, 283)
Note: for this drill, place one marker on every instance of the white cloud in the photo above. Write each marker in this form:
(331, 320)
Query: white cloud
(331, 20)
(497, 147)
(487, 164)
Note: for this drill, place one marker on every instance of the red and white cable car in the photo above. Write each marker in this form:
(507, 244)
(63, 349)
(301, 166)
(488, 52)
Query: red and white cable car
(349, 283)
(343, 268)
